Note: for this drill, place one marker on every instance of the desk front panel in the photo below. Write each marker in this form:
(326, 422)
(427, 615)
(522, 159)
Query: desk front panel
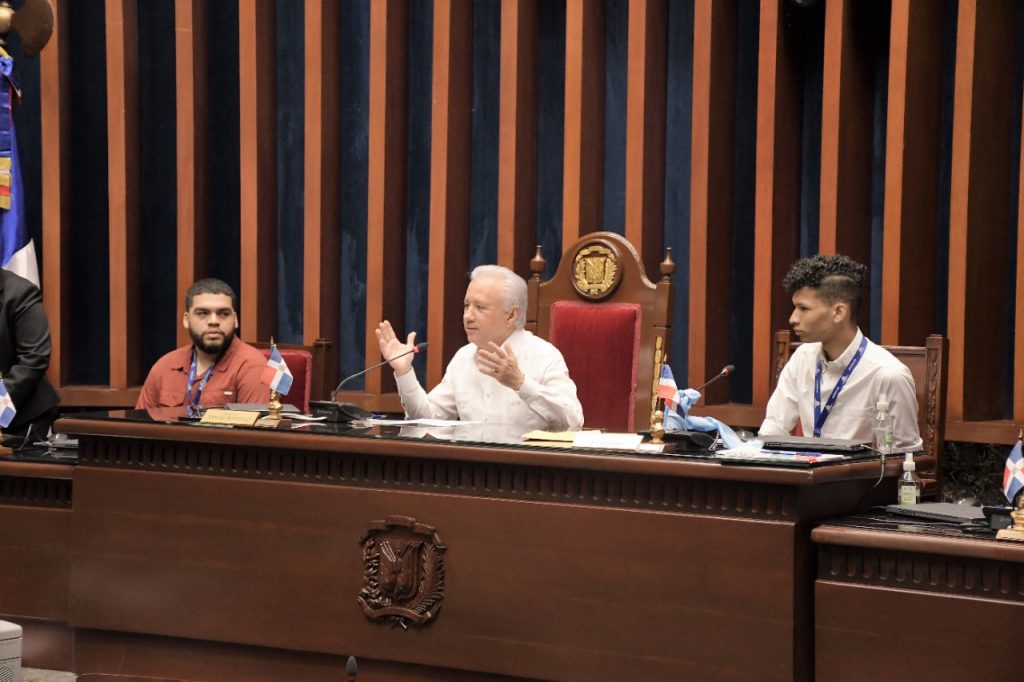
(35, 551)
(532, 589)
(916, 605)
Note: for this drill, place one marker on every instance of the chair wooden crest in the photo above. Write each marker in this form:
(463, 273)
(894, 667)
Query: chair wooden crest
(608, 319)
(928, 364)
(311, 367)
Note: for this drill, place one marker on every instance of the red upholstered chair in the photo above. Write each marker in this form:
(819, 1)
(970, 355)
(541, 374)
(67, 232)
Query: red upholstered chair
(310, 367)
(604, 315)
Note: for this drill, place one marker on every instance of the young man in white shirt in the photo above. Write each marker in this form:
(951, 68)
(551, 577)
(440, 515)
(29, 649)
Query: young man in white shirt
(835, 378)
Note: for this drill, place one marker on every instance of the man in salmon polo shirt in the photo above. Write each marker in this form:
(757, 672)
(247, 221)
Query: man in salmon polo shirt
(217, 367)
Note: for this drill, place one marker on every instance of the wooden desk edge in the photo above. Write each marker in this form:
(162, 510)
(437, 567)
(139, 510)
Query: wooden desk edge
(907, 542)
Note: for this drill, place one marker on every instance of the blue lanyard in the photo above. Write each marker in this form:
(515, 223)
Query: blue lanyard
(821, 413)
(194, 399)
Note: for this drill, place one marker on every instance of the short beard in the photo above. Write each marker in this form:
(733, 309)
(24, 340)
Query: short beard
(209, 348)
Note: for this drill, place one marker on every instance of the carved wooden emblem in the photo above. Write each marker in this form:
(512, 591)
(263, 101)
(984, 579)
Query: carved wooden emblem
(596, 271)
(403, 571)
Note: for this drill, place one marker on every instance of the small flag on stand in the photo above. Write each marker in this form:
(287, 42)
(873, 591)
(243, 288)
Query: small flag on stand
(7, 409)
(1013, 475)
(277, 375)
(667, 388)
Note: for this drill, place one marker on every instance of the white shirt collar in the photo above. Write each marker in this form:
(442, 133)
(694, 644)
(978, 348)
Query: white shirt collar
(840, 363)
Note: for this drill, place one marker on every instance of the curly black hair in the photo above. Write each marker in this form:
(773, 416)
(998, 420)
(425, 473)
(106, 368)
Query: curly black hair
(834, 278)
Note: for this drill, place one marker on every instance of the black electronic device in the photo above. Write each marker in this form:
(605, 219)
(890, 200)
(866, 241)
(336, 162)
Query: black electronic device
(338, 412)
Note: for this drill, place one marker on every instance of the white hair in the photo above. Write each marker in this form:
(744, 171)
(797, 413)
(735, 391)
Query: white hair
(513, 289)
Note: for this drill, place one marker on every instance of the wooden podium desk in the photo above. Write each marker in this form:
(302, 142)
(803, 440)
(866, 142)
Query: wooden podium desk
(35, 550)
(899, 602)
(238, 554)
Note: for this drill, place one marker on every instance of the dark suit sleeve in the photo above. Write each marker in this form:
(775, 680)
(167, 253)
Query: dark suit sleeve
(32, 343)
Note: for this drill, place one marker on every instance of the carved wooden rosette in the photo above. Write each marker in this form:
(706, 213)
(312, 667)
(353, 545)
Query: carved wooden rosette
(403, 571)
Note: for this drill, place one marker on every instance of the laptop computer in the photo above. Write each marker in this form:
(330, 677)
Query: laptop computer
(939, 511)
(814, 444)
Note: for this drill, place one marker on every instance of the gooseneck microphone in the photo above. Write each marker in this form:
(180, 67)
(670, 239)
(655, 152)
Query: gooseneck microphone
(415, 349)
(726, 371)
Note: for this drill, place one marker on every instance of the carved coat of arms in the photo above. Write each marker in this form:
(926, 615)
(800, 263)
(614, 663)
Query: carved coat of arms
(596, 271)
(403, 571)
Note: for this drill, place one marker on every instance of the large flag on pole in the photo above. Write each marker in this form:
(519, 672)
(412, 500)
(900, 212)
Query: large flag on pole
(17, 250)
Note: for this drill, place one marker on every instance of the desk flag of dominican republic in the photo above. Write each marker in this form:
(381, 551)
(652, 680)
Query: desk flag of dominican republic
(276, 374)
(1013, 475)
(7, 410)
(667, 387)
(17, 251)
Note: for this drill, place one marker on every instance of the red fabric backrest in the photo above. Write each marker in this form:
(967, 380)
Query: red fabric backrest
(300, 364)
(601, 344)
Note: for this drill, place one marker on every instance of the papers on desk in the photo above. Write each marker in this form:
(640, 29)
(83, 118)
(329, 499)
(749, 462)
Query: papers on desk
(592, 438)
(774, 457)
(417, 422)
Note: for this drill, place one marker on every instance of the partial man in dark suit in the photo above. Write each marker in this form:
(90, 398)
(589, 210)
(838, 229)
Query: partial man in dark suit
(25, 357)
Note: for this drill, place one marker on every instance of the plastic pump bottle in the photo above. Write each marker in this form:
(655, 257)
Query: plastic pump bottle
(910, 484)
(882, 427)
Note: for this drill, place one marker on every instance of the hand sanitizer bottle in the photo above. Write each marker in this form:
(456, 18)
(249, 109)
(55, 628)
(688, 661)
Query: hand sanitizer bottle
(883, 428)
(910, 484)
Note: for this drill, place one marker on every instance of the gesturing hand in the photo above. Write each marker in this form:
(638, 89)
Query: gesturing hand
(500, 363)
(392, 346)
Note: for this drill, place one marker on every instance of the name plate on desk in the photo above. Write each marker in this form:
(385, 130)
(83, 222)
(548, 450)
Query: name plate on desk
(608, 441)
(221, 417)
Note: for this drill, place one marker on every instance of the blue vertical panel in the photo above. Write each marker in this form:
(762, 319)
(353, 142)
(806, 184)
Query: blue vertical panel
(678, 132)
(417, 201)
(741, 302)
(223, 146)
(89, 239)
(812, 33)
(550, 129)
(616, 64)
(158, 198)
(290, 158)
(879, 43)
(483, 195)
(355, 107)
(945, 164)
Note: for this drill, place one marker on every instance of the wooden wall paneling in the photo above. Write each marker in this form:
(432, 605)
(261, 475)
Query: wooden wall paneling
(583, 170)
(846, 133)
(912, 172)
(385, 225)
(517, 133)
(451, 128)
(1018, 336)
(777, 182)
(122, 40)
(258, 168)
(322, 172)
(191, 65)
(980, 210)
(711, 195)
(55, 125)
(257, 82)
(645, 128)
